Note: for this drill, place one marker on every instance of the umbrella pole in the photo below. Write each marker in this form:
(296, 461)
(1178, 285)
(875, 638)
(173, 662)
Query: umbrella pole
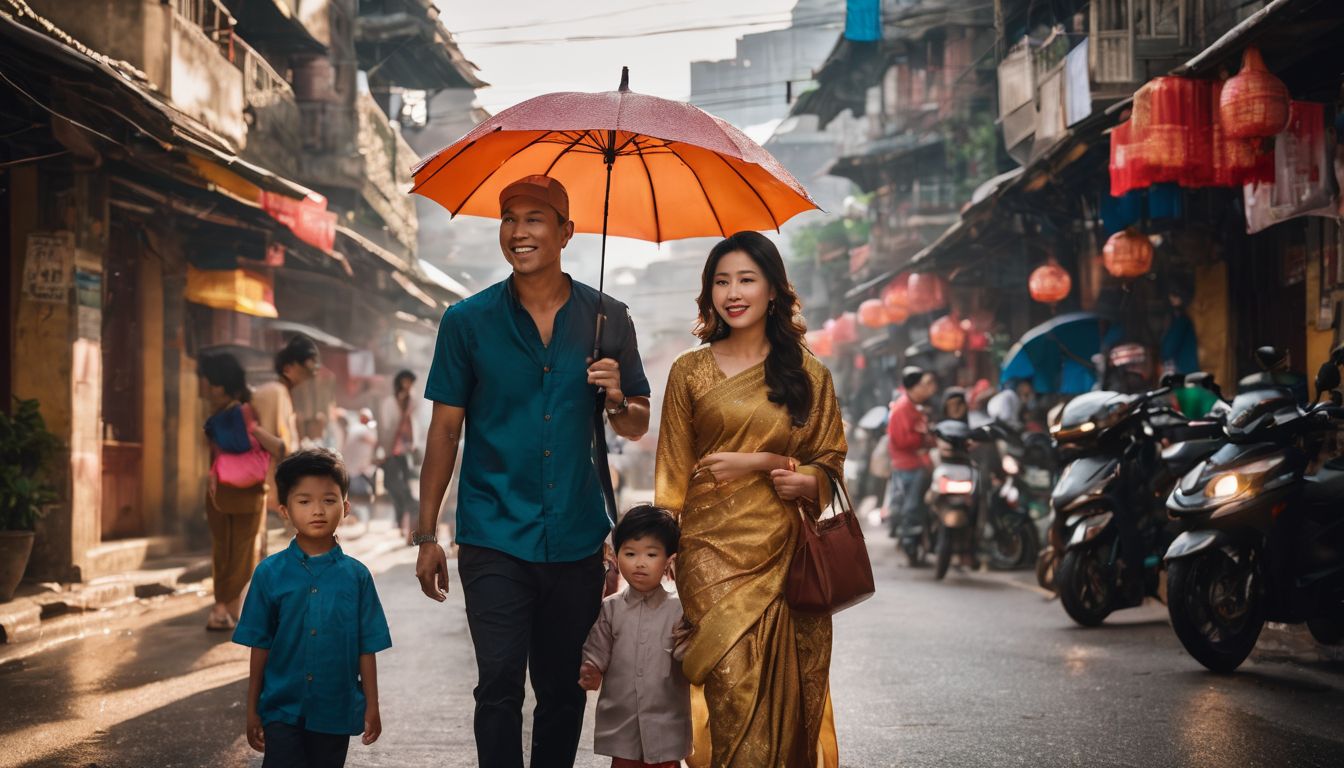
(602, 270)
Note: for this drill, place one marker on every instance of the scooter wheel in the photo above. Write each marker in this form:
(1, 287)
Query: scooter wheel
(944, 552)
(1086, 587)
(1216, 608)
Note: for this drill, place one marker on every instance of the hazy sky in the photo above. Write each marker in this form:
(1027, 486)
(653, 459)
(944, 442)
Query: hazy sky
(489, 33)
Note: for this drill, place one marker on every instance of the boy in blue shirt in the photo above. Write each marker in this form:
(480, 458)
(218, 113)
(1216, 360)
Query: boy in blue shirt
(314, 622)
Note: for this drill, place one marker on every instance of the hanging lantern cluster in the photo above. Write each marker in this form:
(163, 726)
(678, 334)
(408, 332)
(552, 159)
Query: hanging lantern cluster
(1128, 254)
(927, 292)
(819, 341)
(1049, 283)
(946, 334)
(1254, 103)
(872, 314)
(1200, 133)
(843, 329)
(896, 299)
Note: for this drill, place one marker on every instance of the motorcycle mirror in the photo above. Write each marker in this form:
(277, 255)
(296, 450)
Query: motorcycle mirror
(1267, 357)
(1327, 378)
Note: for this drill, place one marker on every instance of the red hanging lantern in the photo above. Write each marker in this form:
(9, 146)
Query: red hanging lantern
(946, 334)
(1049, 283)
(1128, 168)
(844, 329)
(1254, 103)
(819, 341)
(1128, 254)
(1236, 161)
(927, 292)
(1174, 118)
(872, 314)
(896, 300)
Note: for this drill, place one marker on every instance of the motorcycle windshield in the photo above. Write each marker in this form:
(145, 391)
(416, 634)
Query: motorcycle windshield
(1259, 408)
(1086, 477)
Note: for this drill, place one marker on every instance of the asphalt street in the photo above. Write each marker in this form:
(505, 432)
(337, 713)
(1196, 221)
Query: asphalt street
(980, 670)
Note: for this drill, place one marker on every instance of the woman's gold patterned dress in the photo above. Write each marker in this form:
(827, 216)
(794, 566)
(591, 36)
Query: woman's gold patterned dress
(760, 671)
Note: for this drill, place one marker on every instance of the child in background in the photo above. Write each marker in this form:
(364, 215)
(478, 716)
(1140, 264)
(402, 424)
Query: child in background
(314, 623)
(634, 651)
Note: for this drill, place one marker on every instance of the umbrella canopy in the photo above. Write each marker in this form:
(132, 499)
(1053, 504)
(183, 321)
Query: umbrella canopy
(1056, 356)
(675, 170)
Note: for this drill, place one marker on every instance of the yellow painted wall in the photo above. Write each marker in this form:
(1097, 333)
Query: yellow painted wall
(1209, 312)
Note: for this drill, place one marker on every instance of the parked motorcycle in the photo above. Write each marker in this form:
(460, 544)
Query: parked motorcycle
(963, 515)
(1264, 535)
(1108, 501)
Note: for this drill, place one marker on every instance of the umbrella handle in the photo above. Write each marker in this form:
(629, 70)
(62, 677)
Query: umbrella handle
(597, 334)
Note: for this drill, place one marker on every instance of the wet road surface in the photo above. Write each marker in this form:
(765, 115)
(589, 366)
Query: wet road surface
(980, 670)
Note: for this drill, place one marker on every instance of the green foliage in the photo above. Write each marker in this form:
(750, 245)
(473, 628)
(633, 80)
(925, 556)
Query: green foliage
(815, 239)
(972, 151)
(26, 453)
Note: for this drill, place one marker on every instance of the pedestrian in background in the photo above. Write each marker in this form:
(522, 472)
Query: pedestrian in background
(750, 440)
(358, 451)
(314, 622)
(511, 363)
(634, 650)
(235, 508)
(401, 437)
(908, 440)
(295, 364)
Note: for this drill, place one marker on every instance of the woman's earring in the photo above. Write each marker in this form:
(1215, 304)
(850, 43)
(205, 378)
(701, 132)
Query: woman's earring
(770, 307)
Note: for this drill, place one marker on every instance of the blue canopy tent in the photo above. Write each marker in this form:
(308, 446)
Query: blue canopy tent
(1056, 356)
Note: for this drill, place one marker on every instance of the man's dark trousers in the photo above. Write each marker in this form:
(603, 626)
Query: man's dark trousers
(529, 617)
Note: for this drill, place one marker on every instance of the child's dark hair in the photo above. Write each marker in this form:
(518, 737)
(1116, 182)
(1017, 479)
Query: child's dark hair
(647, 520)
(314, 462)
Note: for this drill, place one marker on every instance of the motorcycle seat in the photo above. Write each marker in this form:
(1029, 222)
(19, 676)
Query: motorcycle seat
(1327, 485)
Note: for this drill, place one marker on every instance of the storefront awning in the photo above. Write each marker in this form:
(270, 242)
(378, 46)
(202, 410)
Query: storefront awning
(237, 290)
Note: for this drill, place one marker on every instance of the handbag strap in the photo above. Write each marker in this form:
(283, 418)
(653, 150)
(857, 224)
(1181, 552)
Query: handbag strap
(840, 501)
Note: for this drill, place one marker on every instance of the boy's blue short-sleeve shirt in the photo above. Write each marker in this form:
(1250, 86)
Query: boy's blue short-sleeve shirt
(529, 487)
(315, 616)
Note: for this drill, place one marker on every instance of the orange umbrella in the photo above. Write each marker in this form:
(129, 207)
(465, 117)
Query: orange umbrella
(675, 170)
(634, 166)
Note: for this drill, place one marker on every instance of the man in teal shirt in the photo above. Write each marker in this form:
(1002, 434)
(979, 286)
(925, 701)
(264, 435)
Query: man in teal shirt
(513, 363)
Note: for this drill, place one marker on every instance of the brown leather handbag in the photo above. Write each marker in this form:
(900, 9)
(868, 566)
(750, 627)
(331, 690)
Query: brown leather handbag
(830, 569)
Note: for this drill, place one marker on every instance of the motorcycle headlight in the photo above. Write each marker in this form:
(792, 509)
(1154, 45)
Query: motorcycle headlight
(1087, 426)
(1010, 465)
(1224, 486)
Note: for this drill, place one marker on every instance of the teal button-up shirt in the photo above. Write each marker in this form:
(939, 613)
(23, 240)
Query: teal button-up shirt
(316, 616)
(528, 486)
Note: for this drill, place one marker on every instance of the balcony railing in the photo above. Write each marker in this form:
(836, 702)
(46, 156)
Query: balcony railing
(272, 112)
(387, 163)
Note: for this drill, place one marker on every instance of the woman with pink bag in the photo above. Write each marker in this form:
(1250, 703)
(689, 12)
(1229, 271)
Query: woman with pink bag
(240, 452)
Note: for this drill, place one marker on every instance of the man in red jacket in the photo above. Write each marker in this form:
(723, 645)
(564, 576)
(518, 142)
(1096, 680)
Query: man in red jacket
(909, 442)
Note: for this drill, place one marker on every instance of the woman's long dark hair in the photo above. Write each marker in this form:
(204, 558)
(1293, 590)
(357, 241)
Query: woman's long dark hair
(223, 370)
(785, 378)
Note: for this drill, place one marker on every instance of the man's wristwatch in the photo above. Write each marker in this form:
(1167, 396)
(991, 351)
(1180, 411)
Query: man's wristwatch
(424, 538)
(618, 410)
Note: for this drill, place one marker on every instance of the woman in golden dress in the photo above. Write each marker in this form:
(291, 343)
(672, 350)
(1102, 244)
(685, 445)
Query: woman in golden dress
(749, 437)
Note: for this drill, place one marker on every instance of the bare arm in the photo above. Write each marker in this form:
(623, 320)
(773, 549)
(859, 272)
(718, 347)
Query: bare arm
(368, 675)
(445, 427)
(273, 445)
(256, 668)
(633, 423)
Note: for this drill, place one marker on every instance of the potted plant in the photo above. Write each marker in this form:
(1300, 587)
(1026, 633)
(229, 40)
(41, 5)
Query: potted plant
(26, 487)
